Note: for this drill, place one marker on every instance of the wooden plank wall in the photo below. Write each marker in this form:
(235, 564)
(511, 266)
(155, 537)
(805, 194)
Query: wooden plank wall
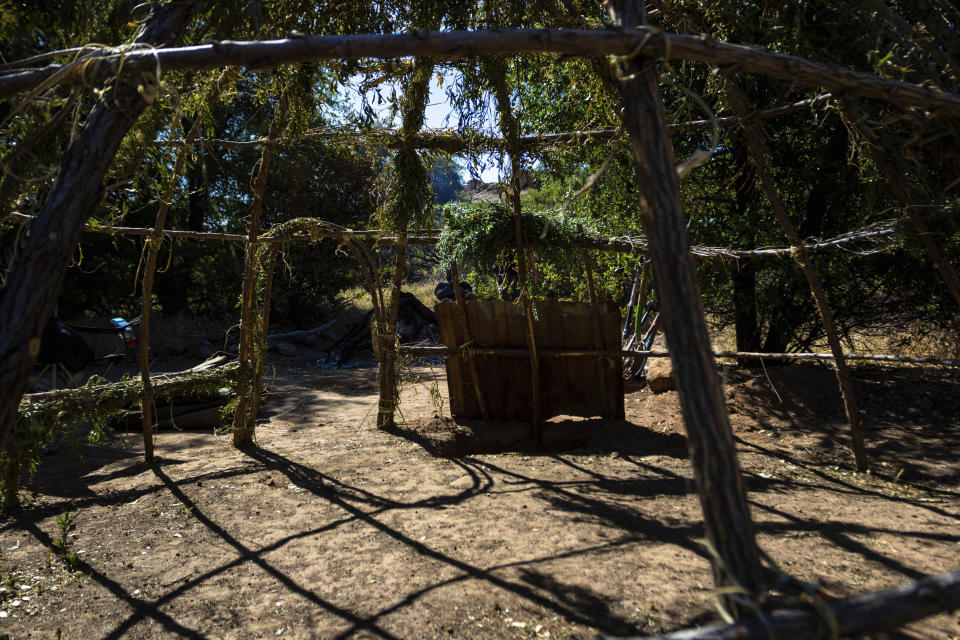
(576, 386)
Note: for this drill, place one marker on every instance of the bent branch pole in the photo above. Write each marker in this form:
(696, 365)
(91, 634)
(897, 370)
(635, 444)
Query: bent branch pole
(859, 616)
(153, 242)
(759, 156)
(29, 296)
(252, 343)
(644, 42)
(720, 486)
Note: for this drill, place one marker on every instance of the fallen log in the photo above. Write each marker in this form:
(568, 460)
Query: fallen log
(857, 616)
(293, 335)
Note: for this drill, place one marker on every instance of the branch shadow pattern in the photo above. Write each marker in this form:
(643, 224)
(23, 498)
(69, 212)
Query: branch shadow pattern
(909, 415)
(588, 498)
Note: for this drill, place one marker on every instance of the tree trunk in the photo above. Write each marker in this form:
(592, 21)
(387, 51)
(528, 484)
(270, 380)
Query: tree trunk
(727, 520)
(745, 307)
(28, 299)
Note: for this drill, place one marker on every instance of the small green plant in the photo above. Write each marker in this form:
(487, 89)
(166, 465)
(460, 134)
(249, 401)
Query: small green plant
(436, 397)
(67, 525)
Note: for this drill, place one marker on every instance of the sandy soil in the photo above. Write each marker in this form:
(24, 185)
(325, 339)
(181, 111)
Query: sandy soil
(334, 529)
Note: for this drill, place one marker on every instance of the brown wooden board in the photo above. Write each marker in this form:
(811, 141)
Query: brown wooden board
(579, 386)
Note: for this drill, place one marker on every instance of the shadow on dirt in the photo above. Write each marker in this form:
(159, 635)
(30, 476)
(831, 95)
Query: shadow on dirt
(448, 438)
(367, 507)
(909, 416)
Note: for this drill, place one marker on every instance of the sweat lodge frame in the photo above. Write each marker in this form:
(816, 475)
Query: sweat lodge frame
(719, 483)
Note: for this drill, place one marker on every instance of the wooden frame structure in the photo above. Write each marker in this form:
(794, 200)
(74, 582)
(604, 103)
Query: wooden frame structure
(719, 483)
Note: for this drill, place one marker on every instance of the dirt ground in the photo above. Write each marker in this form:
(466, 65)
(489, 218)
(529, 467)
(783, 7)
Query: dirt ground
(333, 529)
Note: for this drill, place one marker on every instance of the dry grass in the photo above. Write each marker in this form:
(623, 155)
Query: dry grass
(357, 300)
(914, 338)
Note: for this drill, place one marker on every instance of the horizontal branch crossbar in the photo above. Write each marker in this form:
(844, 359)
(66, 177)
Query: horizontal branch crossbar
(648, 42)
(426, 352)
(474, 141)
(621, 244)
(423, 236)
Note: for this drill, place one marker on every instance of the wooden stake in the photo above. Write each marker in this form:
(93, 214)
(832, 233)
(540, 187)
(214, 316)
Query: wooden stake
(759, 155)
(727, 520)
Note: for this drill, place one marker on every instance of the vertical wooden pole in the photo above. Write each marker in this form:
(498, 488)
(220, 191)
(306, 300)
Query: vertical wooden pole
(642, 295)
(802, 256)
(259, 354)
(588, 268)
(631, 300)
(244, 417)
(729, 527)
(406, 206)
(154, 241)
(386, 334)
(508, 125)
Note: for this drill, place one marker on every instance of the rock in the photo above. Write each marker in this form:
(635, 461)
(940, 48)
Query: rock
(660, 375)
(285, 348)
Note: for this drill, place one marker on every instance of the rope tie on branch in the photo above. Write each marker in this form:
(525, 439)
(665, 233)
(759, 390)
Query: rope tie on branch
(799, 255)
(386, 331)
(467, 351)
(648, 32)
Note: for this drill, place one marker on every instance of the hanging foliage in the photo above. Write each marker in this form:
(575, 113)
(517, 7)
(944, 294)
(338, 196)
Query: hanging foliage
(483, 234)
(409, 193)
